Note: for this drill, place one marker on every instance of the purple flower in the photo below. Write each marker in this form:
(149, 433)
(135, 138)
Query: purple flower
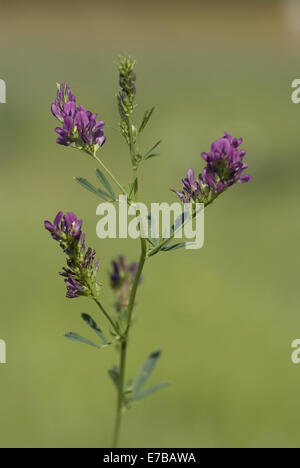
(90, 130)
(193, 189)
(64, 225)
(74, 288)
(80, 128)
(80, 274)
(121, 280)
(65, 134)
(225, 164)
(224, 167)
(54, 228)
(72, 225)
(65, 102)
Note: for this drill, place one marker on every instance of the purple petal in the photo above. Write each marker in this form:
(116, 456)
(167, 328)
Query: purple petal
(58, 219)
(206, 157)
(49, 226)
(68, 124)
(82, 119)
(191, 176)
(245, 178)
(69, 218)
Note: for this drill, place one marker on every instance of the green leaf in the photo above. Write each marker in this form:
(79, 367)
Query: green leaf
(183, 218)
(150, 152)
(176, 246)
(153, 155)
(114, 374)
(146, 119)
(133, 188)
(145, 372)
(91, 323)
(105, 183)
(122, 320)
(76, 337)
(88, 186)
(150, 390)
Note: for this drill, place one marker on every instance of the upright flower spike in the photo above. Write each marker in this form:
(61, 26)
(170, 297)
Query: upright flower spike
(121, 281)
(81, 270)
(127, 79)
(125, 98)
(80, 127)
(224, 167)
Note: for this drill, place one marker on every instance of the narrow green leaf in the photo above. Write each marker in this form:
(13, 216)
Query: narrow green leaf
(133, 188)
(146, 119)
(129, 384)
(114, 374)
(177, 246)
(76, 337)
(105, 183)
(183, 218)
(145, 372)
(179, 221)
(150, 390)
(122, 320)
(153, 155)
(88, 186)
(152, 227)
(91, 323)
(149, 153)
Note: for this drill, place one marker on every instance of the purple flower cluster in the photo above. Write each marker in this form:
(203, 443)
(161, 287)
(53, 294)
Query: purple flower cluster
(80, 127)
(224, 167)
(81, 270)
(121, 281)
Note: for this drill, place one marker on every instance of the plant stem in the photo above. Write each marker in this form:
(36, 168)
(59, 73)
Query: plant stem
(106, 315)
(125, 336)
(123, 190)
(124, 344)
(136, 282)
(124, 341)
(120, 394)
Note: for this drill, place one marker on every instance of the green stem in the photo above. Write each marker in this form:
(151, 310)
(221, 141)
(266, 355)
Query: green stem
(106, 315)
(125, 336)
(136, 282)
(123, 190)
(120, 402)
(124, 343)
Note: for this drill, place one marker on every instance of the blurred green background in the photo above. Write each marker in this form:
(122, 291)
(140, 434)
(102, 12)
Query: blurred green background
(225, 316)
